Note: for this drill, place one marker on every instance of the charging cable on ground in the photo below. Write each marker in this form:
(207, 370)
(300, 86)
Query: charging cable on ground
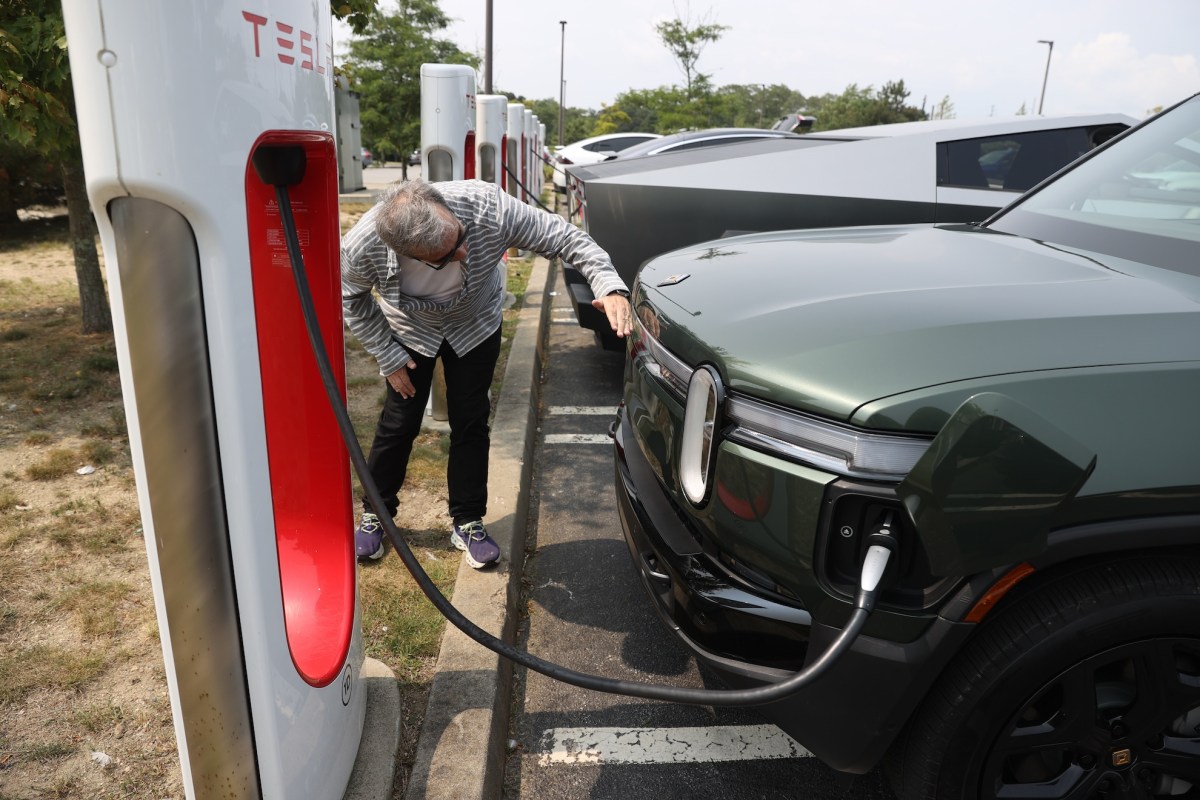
(283, 166)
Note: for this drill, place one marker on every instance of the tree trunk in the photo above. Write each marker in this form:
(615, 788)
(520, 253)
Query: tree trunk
(93, 301)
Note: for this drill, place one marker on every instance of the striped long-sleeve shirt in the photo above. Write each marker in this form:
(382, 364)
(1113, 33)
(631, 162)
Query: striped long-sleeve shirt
(497, 222)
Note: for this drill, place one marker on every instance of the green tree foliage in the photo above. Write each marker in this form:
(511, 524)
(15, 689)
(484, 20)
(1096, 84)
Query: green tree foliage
(356, 13)
(663, 110)
(943, 110)
(37, 110)
(686, 42)
(668, 109)
(857, 107)
(578, 121)
(384, 67)
(755, 105)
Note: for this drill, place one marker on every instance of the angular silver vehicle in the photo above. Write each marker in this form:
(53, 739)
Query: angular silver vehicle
(1007, 410)
(938, 171)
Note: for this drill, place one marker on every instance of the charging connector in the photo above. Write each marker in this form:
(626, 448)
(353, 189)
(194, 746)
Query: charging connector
(881, 543)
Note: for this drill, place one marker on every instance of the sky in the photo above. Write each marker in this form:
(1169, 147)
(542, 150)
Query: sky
(1124, 56)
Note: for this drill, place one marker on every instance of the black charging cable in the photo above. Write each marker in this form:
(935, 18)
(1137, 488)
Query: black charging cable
(550, 163)
(523, 188)
(280, 166)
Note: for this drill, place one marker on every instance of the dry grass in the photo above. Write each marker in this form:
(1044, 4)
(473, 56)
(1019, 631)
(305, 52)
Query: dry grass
(80, 661)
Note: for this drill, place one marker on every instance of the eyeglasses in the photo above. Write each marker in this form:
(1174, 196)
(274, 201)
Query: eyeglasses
(446, 259)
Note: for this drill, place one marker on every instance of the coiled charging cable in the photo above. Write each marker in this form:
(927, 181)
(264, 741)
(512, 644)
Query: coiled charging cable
(282, 166)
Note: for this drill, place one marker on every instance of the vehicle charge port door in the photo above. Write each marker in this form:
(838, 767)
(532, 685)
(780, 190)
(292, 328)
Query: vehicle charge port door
(986, 491)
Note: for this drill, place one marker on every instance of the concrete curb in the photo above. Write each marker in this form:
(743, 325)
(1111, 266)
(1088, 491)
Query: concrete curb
(460, 752)
(375, 767)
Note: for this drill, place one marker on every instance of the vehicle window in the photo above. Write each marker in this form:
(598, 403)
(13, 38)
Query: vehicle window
(617, 145)
(698, 143)
(1014, 162)
(1138, 199)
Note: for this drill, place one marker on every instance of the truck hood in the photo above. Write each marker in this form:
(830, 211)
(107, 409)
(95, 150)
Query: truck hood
(826, 321)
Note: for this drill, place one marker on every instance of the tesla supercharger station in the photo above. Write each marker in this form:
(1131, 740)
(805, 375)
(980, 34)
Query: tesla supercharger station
(527, 179)
(491, 137)
(516, 126)
(535, 159)
(447, 122)
(243, 481)
(541, 154)
(447, 154)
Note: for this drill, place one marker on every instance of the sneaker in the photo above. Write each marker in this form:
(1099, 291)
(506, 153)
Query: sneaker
(472, 538)
(368, 537)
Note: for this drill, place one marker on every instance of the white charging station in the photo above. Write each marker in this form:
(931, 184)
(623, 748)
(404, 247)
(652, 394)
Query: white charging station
(527, 179)
(491, 138)
(447, 122)
(515, 146)
(541, 154)
(242, 477)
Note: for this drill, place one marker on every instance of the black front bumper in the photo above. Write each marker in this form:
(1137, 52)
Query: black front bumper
(847, 718)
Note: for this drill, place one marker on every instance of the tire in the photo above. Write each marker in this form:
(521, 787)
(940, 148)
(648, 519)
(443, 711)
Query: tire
(1085, 685)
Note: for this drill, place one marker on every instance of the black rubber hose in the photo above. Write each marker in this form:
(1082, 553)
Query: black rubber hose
(520, 185)
(673, 694)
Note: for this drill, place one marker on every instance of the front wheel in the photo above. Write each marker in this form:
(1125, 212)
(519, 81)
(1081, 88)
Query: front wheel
(1085, 686)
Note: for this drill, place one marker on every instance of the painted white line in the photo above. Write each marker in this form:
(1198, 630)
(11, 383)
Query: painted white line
(668, 745)
(594, 411)
(578, 438)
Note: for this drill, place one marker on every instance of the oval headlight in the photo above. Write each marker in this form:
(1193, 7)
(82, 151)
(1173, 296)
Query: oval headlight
(705, 396)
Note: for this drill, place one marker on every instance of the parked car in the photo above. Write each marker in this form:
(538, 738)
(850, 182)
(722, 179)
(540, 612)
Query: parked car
(796, 123)
(593, 150)
(366, 157)
(1012, 403)
(937, 171)
(695, 140)
(414, 158)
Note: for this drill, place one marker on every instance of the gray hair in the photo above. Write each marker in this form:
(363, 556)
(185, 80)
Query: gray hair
(409, 220)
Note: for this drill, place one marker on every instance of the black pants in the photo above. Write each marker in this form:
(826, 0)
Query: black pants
(468, 378)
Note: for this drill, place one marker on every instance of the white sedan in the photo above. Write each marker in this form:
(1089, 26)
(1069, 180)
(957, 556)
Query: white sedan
(593, 151)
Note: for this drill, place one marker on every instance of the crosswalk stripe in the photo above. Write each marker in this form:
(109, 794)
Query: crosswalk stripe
(578, 438)
(668, 745)
(594, 411)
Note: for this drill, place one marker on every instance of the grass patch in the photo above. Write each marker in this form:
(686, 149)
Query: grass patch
(400, 626)
(97, 452)
(96, 717)
(42, 752)
(430, 454)
(55, 464)
(94, 606)
(9, 499)
(44, 667)
(37, 439)
(14, 334)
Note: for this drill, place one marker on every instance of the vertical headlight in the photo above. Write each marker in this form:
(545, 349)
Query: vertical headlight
(705, 396)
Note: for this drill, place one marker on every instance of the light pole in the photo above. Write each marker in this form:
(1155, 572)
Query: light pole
(562, 84)
(1046, 77)
(487, 48)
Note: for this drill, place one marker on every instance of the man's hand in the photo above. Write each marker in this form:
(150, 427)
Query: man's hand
(620, 314)
(400, 381)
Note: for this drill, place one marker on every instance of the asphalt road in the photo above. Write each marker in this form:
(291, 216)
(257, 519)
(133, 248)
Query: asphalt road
(587, 610)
